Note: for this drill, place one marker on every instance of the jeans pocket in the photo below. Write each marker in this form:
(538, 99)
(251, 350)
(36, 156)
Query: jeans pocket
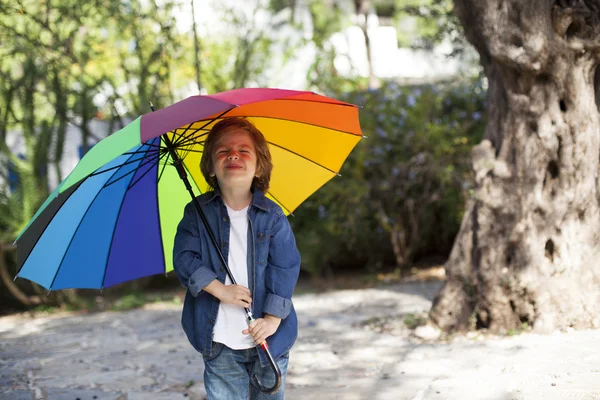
(214, 351)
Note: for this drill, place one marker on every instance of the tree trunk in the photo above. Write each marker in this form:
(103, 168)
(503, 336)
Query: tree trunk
(10, 285)
(362, 8)
(196, 49)
(397, 233)
(528, 247)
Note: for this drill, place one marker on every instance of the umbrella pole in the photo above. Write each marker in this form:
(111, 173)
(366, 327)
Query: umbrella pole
(178, 163)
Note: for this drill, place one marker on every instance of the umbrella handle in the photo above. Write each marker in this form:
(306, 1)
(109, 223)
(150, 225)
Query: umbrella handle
(265, 346)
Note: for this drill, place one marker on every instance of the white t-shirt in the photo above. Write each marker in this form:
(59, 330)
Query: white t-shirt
(231, 319)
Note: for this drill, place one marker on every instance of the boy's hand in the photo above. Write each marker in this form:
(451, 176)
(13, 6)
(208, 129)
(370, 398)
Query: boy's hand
(262, 328)
(236, 294)
(230, 294)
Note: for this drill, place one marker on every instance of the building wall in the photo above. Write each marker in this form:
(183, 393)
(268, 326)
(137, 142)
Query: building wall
(72, 152)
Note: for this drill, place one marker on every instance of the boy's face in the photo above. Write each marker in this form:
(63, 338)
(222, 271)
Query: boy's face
(234, 159)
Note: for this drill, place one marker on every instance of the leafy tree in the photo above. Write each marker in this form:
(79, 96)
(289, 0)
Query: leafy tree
(57, 60)
(328, 18)
(421, 23)
(242, 57)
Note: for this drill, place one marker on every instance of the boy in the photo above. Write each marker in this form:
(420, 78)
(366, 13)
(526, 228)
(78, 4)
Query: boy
(258, 244)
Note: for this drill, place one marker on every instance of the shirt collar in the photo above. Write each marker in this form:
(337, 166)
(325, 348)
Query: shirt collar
(259, 200)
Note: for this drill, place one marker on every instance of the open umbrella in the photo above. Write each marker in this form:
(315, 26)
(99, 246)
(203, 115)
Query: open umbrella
(114, 217)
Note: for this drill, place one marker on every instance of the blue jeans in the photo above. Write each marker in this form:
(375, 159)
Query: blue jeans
(228, 374)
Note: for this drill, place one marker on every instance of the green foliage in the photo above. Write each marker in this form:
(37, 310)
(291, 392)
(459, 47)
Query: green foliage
(422, 23)
(67, 63)
(328, 19)
(238, 59)
(130, 301)
(403, 189)
(419, 164)
(45, 309)
(334, 227)
(241, 58)
(413, 321)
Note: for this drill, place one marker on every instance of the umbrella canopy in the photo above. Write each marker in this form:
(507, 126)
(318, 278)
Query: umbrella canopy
(115, 216)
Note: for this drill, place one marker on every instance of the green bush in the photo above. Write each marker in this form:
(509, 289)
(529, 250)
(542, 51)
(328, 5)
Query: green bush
(130, 301)
(402, 192)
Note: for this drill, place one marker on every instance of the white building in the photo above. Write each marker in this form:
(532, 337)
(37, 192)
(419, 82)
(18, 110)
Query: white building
(73, 149)
(389, 61)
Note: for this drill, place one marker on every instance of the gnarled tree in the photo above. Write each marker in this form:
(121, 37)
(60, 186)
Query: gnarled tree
(528, 250)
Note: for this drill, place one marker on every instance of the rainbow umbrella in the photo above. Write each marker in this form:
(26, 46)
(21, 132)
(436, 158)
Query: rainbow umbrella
(114, 218)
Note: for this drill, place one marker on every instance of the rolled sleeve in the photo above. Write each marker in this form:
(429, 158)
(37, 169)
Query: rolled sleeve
(200, 279)
(282, 270)
(187, 263)
(277, 306)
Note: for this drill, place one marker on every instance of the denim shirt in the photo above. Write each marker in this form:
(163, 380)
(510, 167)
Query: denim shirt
(273, 268)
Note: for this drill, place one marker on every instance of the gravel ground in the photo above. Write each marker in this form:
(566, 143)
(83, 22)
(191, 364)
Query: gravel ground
(353, 344)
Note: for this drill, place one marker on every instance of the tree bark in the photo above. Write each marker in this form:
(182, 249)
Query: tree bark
(528, 247)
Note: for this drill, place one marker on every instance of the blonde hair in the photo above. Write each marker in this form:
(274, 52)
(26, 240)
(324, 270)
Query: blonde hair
(264, 165)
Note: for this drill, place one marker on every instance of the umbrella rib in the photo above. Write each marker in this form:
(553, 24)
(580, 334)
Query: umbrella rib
(160, 233)
(152, 145)
(191, 140)
(181, 157)
(146, 162)
(161, 171)
(140, 151)
(74, 234)
(340, 104)
(183, 137)
(111, 240)
(72, 189)
(187, 137)
(117, 166)
(184, 131)
(183, 150)
(306, 123)
(280, 203)
(144, 174)
(190, 150)
(301, 156)
(295, 122)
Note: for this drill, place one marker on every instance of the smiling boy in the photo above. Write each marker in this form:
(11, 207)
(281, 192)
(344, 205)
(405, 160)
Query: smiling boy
(259, 247)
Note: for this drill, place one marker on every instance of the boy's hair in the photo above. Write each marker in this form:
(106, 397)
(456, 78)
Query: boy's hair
(264, 165)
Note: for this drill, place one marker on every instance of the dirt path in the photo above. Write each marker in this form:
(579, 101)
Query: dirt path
(353, 344)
